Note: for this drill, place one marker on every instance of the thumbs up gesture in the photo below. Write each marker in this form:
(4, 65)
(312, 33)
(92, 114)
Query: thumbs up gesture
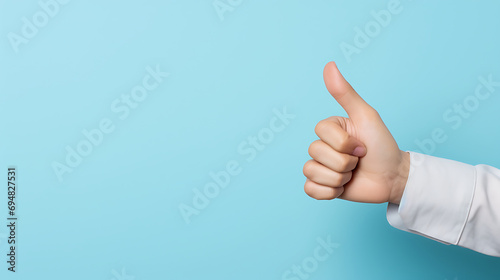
(356, 158)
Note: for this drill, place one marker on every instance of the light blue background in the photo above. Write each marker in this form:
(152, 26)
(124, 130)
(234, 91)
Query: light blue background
(119, 208)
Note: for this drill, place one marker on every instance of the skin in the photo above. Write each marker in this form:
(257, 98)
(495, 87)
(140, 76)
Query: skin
(355, 158)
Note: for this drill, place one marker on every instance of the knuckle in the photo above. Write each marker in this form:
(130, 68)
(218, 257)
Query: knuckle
(372, 113)
(314, 148)
(313, 192)
(322, 127)
(309, 190)
(308, 169)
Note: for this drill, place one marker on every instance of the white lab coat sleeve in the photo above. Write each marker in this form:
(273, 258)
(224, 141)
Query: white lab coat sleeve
(451, 202)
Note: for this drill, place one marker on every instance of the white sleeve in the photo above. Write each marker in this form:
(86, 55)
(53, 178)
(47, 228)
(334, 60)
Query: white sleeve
(451, 202)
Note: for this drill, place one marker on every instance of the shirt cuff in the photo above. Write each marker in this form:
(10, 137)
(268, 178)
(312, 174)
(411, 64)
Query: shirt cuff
(436, 200)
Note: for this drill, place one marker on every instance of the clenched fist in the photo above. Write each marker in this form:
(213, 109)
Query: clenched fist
(356, 158)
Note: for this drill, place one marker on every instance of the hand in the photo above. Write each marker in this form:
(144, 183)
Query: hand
(356, 158)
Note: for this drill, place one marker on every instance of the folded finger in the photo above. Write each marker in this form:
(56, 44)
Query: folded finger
(336, 161)
(322, 175)
(321, 192)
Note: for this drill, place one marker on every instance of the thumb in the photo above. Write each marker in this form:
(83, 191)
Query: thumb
(342, 91)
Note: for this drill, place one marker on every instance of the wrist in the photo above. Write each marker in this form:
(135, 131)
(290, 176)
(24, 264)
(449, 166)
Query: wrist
(401, 178)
